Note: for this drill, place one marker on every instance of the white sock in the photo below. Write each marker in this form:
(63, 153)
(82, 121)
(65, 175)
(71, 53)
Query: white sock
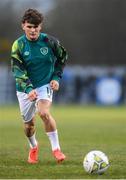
(54, 140)
(32, 141)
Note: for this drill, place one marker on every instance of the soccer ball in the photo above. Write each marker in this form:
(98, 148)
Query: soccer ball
(95, 162)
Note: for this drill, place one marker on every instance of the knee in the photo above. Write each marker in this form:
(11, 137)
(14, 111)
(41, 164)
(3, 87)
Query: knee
(29, 126)
(44, 114)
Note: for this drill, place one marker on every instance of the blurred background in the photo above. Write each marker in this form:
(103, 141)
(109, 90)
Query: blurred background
(94, 34)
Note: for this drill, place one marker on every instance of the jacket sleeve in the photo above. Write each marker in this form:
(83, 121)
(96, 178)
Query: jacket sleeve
(61, 58)
(23, 83)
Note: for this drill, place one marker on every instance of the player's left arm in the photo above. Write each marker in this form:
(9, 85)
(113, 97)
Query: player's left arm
(61, 58)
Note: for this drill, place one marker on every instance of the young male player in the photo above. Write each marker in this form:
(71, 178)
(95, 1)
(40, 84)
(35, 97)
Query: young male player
(37, 62)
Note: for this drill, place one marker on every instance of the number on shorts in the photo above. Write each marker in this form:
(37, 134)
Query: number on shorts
(49, 91)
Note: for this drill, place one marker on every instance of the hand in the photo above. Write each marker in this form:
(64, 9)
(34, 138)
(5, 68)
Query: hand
(32, 95)
(54, 85)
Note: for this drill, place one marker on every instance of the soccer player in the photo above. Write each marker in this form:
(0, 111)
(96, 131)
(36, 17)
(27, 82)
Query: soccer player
(37, 61)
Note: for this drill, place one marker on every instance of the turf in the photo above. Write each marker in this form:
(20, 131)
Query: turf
(81, 129)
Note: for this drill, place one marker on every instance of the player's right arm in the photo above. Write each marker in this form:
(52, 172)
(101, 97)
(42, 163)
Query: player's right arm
(23, 83)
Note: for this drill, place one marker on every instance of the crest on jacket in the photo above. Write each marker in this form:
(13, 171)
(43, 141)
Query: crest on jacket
(44, 50)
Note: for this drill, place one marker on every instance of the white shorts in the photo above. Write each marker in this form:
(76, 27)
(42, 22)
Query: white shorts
(28, 108)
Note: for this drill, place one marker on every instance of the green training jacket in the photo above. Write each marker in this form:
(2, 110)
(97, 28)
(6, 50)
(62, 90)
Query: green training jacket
(36, 63)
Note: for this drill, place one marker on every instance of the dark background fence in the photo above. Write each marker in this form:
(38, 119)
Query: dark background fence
(80, 85)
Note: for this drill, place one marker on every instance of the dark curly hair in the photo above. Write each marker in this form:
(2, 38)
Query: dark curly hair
(32, 16)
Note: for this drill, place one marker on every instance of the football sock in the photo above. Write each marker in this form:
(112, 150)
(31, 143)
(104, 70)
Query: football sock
(54, 140)
(32, 141)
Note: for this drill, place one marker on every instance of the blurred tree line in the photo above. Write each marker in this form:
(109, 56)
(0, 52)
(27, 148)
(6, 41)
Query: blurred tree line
(93, 31)
(10, 28)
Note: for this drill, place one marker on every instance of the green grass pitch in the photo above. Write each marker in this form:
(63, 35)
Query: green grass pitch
(81, 129)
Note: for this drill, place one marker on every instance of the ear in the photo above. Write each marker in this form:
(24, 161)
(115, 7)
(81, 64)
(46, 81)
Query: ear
(23, 25)
(41, 28)
(40, 25)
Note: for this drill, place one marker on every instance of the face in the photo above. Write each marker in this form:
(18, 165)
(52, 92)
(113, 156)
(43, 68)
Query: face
(32, 31)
